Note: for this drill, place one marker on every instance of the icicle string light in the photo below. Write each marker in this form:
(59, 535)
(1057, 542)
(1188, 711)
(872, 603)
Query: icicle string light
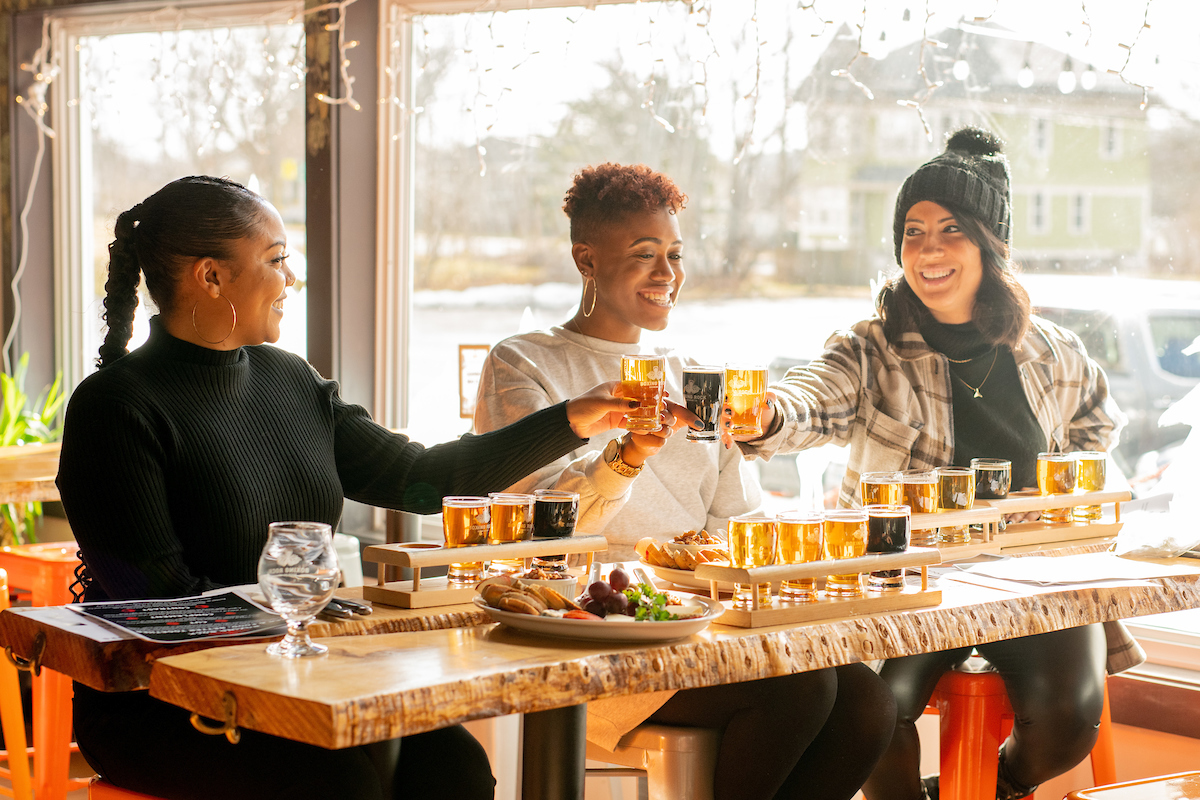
(752, 96)
(931, 86)
(1120, 73)
(859, 51)
(343, 47)
(1087, 22)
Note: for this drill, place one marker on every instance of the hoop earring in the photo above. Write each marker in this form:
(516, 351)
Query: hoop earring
(232, 310)
(595, 293)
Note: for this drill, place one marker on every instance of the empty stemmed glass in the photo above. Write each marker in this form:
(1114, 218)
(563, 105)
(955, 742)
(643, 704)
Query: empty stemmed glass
(298, 571)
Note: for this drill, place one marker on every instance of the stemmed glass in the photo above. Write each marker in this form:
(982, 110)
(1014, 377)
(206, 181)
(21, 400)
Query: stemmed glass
(298, 571)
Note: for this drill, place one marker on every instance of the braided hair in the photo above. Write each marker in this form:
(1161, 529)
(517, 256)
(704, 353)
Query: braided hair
(190, 218)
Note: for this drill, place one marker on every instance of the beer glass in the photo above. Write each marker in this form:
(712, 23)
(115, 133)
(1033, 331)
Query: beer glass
(845, 537)
(801, 540)
(888, 530)
(512, 521)
(1089, 477)
(298, 571)
(466, 521)
(554, 514)
(643, 378)
(880, 488)
(921, 495)
(956, 492)
(1056, 473)
(753, 542)
(993, 478)
(745, 394)
(704, 394)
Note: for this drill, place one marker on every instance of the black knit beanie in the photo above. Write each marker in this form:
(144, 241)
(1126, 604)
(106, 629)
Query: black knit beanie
(971, 176)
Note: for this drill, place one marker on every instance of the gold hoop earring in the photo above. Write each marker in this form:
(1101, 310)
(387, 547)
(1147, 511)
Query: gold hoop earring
(595, 294)
(232, 310)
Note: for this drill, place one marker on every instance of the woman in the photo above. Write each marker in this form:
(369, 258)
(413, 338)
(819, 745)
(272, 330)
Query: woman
(177, 456)
(954, 366)
(826, 727)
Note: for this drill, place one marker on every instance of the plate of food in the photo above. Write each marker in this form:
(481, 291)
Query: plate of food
(675, 560)
(629, 613)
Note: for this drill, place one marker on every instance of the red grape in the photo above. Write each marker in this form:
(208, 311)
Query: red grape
(616, 603)
(600, 590)
(594, 606)
(618, 579)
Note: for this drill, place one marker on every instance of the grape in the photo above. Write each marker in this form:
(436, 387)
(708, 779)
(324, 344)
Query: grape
(599, 590)
(616, 603)
(594, 606)
(618, 579)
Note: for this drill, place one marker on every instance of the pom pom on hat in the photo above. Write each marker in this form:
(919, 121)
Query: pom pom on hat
(971, 176)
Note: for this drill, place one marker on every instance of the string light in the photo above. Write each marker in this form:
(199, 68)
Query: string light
(1120, 73)
(1066, 78)
(1088, 79)
(343, 47)
(931, 86)
(1025, 74)
(859, 51)
(753, 95)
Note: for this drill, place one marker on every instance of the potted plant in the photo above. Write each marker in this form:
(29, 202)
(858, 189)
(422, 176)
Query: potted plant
(35, 427)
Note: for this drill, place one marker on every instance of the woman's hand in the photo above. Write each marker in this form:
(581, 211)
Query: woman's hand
(636, 447)
(602, 408)
(766, 419)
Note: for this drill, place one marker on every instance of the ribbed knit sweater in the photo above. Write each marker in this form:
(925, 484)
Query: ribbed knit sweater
(176, 457)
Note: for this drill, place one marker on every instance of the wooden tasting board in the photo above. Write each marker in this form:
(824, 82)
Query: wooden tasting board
(825, 608)
(431, 592)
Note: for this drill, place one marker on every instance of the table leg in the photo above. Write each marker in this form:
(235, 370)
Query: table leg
(553, 747)
(52, 738)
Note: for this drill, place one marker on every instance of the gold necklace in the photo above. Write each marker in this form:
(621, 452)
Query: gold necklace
(976, 389)
(966, 360)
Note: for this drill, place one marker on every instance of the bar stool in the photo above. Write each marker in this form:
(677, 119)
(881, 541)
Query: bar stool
(12, 721)
(1181, 786)
(46, 571)
(975, 718)
(678, 763)
(100, 789)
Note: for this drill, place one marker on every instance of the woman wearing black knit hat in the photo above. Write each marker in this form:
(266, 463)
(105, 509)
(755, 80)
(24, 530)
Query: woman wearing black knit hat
(177, 456)
(953, 367)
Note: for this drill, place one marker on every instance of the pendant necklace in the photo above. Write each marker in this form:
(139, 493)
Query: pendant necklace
(976, 389)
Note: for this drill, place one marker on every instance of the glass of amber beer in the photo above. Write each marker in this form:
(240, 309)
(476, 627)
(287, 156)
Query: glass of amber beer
(1089, 477)
(753, 542)
(745, 394)
(643, 378)
(880, 488)
(921, 496)
(888, 529)
(845, 537)
(801, 540)
(512, 521)
(956, 492)
(554, 515)
(1056, 474)
(466, 521)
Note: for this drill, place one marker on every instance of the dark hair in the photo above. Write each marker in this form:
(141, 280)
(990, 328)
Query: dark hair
(191, 218)
(610, 192)
(1001, 310)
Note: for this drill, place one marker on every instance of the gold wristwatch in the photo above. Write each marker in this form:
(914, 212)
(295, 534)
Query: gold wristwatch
(612, 457)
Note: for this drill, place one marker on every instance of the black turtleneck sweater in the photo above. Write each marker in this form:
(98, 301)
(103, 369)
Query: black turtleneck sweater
(999, 423)
(176, 457)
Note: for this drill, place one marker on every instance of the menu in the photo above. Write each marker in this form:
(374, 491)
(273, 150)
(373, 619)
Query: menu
(224, 615)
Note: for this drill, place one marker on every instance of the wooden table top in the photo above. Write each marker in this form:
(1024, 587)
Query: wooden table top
(376, 687)
(106, 661)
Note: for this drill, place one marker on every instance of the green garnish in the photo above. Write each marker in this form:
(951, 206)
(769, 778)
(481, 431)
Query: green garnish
(648, 604)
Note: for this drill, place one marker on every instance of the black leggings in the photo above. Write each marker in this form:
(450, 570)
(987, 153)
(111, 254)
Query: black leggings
(813, 735)
(1055, 683)
(145, 745)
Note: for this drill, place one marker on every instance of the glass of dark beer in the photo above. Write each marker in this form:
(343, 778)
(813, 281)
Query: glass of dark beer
(554, 514)
(888, 529)
(704, 394)
(993, 478)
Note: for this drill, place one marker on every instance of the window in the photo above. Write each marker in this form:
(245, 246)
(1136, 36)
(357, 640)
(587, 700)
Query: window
(211, 90)
(1040, 138)
(1176, 339)
(1039, 213)
(1079, 214)
(1111, 141)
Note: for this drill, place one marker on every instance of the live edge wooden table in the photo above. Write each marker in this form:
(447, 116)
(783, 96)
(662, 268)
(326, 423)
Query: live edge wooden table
(379, 686)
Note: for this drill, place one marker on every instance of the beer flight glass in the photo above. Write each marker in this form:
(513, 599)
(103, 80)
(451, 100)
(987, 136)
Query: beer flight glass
(801, 537)
(704, 394)
(845, 537)
(920, 490)
(753, 542)
(1089, 477)
(745, 394)
(993, 478)
(512, 521)
(554, 516)
(643, 378)
(1056, 474)
(888, 530)
(956, 492)
(298, 571)
(880, 488)
(466, 521)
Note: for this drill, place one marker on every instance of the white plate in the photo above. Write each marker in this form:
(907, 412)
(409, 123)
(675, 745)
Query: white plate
(685, 578)
(603, 631)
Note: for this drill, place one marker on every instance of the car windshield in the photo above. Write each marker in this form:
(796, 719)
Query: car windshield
(1098, 331)
(1176, 338)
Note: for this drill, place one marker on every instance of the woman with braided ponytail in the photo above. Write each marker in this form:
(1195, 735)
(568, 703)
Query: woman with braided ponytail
(177, 456)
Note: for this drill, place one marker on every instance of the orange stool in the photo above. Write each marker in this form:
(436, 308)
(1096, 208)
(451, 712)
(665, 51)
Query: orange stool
(100, 789)
(47, 571)
(975, 718)
(1182, 786)
(12, 721)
